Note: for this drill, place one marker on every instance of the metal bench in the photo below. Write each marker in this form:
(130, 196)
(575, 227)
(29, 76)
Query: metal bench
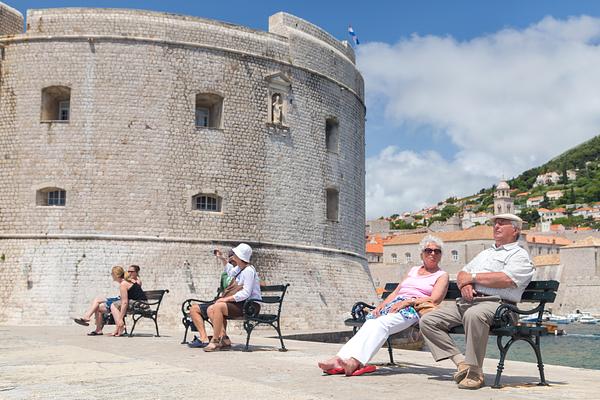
(505, 324)
(142, 309)
(252, 315)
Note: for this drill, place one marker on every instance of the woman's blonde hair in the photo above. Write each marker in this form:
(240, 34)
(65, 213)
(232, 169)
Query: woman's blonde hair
(119, 272)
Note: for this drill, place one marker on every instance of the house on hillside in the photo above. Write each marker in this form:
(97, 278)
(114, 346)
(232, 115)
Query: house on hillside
(584, 212)
(534, 201)
(554, 194)
(549, 178)
(551, 215)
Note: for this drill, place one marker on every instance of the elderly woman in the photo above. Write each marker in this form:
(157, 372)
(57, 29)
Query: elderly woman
(423, 283)
(231, 305)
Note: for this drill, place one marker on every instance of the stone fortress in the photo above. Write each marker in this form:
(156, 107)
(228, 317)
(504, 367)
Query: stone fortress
(150, 138)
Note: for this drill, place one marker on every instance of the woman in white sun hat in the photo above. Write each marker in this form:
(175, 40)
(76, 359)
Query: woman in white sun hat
(248, 287)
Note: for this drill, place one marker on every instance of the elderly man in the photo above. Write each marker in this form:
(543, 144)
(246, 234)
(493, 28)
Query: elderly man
(498, 274)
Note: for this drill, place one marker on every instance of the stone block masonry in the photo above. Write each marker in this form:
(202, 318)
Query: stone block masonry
(131, 161)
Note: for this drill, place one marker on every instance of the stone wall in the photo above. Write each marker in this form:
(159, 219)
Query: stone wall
(11, 21)
(579, 280)
(130, 158)
(52, 280)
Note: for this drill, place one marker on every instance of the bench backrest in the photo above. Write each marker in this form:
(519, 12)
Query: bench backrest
(536, 291)
(153, 300)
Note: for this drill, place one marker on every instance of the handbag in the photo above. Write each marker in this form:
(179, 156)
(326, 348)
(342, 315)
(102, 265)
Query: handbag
(233, 287)
(425, 307)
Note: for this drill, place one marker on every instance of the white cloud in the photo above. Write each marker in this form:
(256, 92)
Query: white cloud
(507, 101)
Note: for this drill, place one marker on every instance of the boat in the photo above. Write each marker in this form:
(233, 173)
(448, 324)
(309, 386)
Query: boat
(559, 319)
(586, 318)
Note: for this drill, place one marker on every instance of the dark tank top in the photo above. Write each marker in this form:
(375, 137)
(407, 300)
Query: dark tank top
(135, 292)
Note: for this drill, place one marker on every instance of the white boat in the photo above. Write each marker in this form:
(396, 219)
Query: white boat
(586, 318)
(547, 317)
(559, 319)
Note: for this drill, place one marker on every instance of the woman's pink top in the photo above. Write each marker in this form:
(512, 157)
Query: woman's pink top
(416, 285)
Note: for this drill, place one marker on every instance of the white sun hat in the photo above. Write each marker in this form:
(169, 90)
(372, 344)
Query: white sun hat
(243, 251)
(509, 217)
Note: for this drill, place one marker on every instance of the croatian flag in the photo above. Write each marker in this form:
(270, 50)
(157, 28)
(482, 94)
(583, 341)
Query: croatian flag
(353, 35)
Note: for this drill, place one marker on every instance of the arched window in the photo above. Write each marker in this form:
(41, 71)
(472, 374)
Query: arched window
(333, 204)
(454, 255)
(332, 137)
(51, 196)
(56, 104)
(206, 202)
(394, 258)
(209, 110)
(407, 257)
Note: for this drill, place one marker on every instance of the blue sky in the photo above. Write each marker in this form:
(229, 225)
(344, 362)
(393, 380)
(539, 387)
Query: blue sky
(459, 93)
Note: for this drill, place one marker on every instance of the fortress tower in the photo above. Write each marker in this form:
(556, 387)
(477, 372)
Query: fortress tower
(151, 138)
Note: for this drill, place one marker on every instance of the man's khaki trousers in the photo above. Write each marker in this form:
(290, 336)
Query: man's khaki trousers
(476, 317)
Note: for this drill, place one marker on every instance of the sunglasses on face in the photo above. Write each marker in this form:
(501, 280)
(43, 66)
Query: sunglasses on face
(429, 251)
(132, 271)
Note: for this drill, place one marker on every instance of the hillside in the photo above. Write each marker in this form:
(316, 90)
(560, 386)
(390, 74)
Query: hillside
(575, 158)
(574, 173)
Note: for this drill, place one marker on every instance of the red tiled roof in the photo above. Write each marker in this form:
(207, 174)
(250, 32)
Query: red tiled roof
(543, 239)
(480, 232)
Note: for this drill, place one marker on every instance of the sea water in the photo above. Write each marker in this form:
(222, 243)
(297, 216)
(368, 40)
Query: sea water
(579, 347)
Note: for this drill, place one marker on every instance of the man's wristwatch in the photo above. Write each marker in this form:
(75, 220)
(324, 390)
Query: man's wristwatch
(473, 277)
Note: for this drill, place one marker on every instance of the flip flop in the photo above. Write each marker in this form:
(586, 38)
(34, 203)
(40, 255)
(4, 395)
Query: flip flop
(367, 369)
(94, 333)
(81, 321)
(334, 371)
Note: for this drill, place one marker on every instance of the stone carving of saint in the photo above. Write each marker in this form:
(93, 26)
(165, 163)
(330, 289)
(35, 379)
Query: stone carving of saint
(277, 109)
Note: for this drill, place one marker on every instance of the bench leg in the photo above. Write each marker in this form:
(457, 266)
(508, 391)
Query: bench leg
(503, 350)
(280, 338)
(248, 328)
(185, 334)
(538, 355)
(133, 327)
(390, 350)
(156, 325)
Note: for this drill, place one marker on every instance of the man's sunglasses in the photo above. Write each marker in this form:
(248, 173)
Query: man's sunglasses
(429, 251)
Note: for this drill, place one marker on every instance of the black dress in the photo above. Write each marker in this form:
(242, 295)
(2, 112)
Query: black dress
(135, 292)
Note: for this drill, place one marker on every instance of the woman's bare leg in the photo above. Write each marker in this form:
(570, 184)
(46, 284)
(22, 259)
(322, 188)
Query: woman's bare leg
(218, 312)
(198, 322)
(93, 308)
(100, 310)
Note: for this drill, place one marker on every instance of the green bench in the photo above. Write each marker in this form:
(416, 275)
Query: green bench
(505, 324)
(268, 312)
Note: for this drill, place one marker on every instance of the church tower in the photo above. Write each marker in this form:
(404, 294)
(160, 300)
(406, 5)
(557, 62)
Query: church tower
(502, 200)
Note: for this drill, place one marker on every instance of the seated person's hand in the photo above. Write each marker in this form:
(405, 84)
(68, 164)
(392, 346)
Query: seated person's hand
(468, 292)
(399, 306)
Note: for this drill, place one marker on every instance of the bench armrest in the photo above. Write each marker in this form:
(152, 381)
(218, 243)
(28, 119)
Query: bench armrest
(505, 314)
(187, 304)
(360, 310)
(252, 308)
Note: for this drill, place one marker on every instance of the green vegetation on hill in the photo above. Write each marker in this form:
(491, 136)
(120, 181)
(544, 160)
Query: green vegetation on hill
(585, 189)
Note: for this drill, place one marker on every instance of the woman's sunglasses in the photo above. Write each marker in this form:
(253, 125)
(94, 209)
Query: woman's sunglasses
(429, 251)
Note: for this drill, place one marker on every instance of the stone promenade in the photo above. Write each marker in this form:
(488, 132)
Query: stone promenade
(63, 363)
